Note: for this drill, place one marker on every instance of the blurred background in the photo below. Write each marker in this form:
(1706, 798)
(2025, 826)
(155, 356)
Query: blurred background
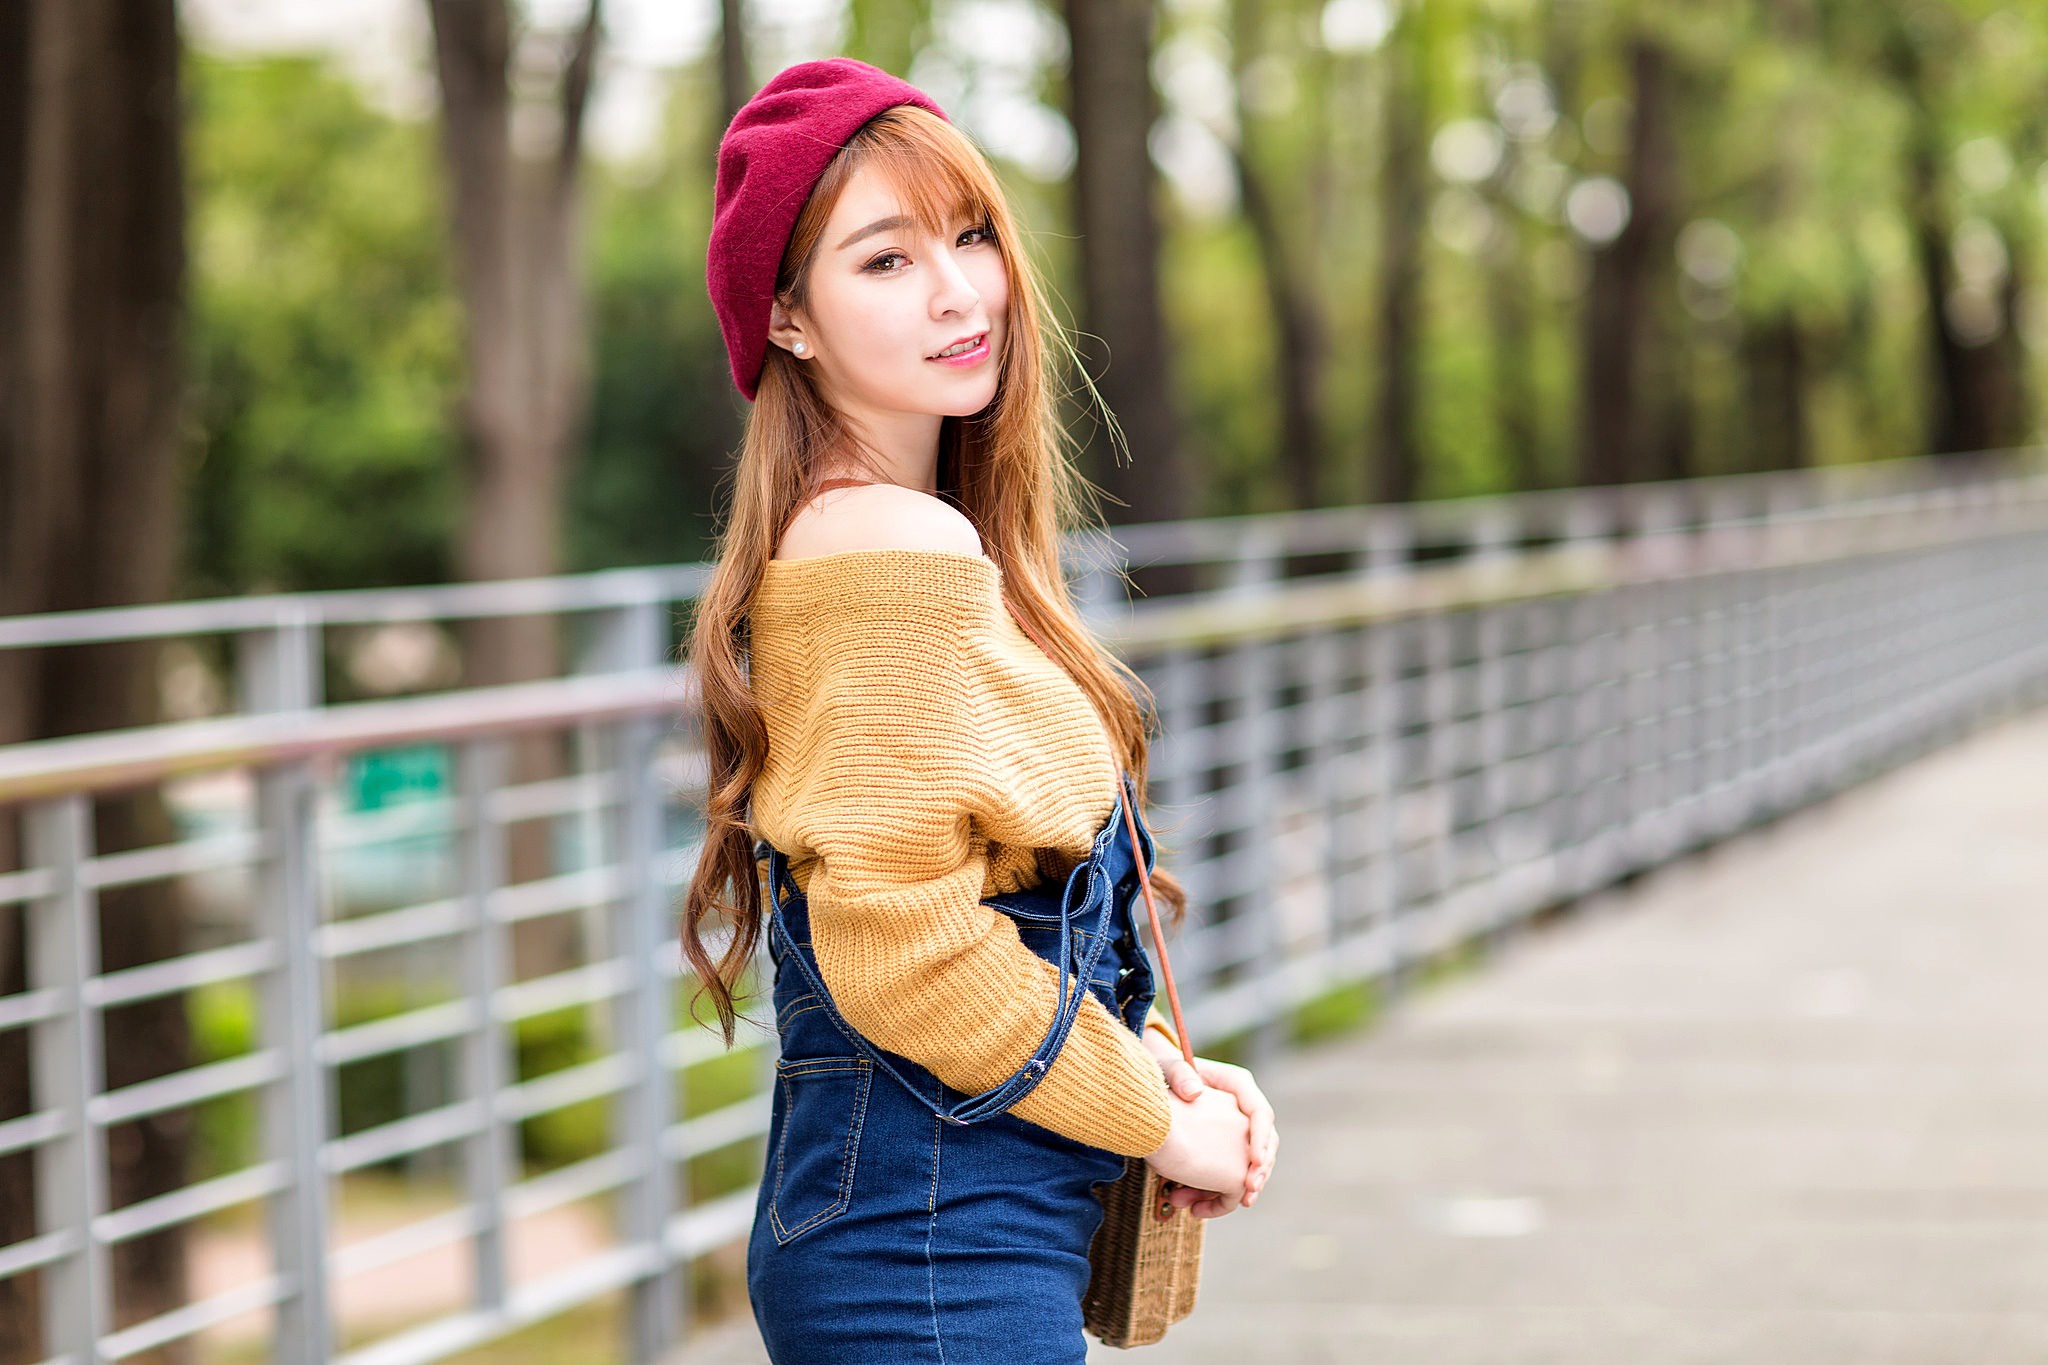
(357, 354)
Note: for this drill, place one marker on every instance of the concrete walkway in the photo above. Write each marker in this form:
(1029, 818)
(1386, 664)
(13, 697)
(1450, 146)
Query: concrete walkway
(1785, 1103)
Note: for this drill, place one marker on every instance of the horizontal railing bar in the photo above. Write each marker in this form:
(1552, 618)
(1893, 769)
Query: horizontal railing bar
(31, 884)
(360, 606)
(721, 1127)
(408, 925)
(402, 1244)
(31, 1130)
(457, 1332)
(711, 1224)
(37, 1251)
(571, 1085)
(174, 974)
(183, 1088)
(567, 1184)
(193, 1201)
(125, 758)
(30, 1007)
(50, 766)
(238, 849)
(402, 1137)
(585, 887)
(1430, 523)
(1344, 600)
(572, 795)
(577, 986)
(195, 1317)
(398, 1032)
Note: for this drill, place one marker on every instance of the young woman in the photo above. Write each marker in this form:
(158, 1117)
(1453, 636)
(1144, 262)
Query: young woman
(906, 719)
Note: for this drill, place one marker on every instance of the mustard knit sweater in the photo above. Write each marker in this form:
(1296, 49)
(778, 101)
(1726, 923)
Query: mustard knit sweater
(923, 754)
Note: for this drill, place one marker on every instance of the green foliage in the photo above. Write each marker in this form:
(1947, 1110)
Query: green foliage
(550, 1042)
(1226, 383)
(325, 444)
(378, 1090)
(325, 336)
(664, 412)
(222, 1019)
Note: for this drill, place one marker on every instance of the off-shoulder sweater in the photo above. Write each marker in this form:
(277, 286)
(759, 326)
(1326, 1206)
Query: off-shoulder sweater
(923, 754)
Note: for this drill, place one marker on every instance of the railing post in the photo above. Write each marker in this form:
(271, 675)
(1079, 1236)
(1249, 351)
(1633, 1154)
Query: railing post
(481, 766)
(634, 635)
(279, 669)
(71, 1188)
(656, 1305)
(1251, 671)
(296, 1105)
(1383, 679)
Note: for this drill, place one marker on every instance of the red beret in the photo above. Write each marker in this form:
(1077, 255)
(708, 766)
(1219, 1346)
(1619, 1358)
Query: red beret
(772, 153)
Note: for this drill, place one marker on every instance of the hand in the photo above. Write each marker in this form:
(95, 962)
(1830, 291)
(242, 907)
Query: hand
(1251, 1101)
(1208, 1149)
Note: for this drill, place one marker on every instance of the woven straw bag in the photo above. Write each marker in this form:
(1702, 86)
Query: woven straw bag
(1146, 1258)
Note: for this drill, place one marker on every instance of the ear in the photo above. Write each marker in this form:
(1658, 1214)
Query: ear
(785, 330)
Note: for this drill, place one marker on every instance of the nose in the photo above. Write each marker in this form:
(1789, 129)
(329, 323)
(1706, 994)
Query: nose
(952, 291)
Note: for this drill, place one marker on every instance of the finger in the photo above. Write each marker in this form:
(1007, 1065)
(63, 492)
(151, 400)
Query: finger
(1183, 1081)
(1265, 1142)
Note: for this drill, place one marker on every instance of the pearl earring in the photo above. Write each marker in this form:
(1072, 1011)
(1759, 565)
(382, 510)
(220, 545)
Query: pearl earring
(799, 348)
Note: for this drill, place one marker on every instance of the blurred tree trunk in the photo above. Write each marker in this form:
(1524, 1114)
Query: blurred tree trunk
(1976, 400)
(1628, 380)
(1113, 106)
(92, 284)
(1397, 436)
(888, 33)
(1774, 373)
(517, 233)
(1513, 331)
(1285, 266)
(735, 79)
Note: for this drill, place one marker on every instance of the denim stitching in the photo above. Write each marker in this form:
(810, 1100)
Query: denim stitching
(791, 1017)
(849, 1152)
(931, 1228)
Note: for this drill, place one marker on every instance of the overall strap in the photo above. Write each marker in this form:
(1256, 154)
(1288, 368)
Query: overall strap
(1144, 877)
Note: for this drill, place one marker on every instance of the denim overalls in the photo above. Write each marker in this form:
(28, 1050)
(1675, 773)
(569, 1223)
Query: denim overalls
(901, 1221)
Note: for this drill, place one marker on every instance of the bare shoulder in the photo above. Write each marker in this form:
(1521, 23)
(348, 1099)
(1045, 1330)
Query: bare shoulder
(882, 516)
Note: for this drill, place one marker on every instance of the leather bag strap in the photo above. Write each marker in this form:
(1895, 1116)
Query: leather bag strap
(1130, 823)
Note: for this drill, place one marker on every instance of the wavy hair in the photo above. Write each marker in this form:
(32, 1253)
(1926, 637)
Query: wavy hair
(1009, 468)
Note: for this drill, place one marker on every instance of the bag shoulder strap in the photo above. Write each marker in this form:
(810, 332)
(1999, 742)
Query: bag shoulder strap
(1144, 877)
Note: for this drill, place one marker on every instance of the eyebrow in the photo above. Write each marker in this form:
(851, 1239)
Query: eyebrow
(879, 225)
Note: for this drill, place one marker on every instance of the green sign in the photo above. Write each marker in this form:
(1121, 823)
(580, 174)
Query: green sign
(390, 777)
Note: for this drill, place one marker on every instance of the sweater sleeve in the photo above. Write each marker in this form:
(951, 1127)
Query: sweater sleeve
(896, 767)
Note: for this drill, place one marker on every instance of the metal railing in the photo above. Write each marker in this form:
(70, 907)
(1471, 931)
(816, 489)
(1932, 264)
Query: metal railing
(1360, 766)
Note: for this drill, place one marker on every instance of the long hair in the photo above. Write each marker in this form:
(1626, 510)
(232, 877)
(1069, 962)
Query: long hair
(1007, 467)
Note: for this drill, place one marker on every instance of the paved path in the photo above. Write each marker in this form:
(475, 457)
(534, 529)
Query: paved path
(1783, 1104)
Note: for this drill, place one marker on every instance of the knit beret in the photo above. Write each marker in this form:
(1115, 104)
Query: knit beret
(772, 153)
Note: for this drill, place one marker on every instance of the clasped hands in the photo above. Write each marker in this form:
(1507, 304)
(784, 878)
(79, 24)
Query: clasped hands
(1222, 1126)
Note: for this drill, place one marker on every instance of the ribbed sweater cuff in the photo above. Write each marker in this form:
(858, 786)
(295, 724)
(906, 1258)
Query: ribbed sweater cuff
(1120, 1103)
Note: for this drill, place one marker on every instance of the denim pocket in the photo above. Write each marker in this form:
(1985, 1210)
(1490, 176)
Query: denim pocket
(824, 1102)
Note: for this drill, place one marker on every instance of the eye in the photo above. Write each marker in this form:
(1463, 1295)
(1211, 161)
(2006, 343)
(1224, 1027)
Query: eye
(983, 231)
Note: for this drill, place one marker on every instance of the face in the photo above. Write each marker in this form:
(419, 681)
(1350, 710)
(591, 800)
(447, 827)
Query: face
(884, 299)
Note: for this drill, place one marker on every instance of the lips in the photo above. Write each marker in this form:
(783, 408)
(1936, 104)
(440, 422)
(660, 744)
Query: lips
(940, 354)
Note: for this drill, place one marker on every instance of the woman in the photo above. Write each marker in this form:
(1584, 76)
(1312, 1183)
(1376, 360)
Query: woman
(905, 717)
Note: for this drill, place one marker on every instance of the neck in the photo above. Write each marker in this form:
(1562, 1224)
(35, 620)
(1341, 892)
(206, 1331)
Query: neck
(904, 447)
